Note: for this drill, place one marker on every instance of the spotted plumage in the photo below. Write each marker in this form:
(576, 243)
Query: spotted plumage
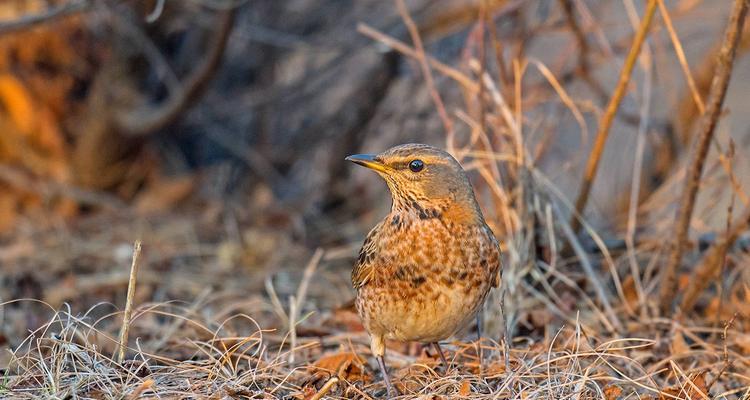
(424, 271)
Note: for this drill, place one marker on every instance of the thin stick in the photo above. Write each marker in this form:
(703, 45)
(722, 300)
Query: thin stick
(136, 394)
(706, 127)
(711, 265)
(506, 334)
(325, 389)
(295, 302)
(681, 57)
(467, 83)
(613, 322)
(635, 185)
(725, 356)
(609, 114)
(126, 318)
(417, 40)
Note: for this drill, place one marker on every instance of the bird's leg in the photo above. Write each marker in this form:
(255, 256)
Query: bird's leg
(442, 356)
(377, 346)
(391, 390)
(479, 339)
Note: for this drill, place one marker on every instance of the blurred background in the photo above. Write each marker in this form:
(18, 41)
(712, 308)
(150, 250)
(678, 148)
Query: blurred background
(216, 131)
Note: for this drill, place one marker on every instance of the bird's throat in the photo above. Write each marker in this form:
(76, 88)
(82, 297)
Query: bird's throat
(445, 211)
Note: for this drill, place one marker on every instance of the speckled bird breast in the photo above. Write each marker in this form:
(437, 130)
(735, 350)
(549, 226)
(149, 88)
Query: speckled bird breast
(422, 278)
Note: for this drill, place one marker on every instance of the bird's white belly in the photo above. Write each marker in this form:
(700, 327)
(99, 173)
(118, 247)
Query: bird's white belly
(431, 320)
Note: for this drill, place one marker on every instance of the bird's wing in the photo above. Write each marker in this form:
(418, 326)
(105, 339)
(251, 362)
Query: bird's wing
(493, 257)
(364, 267)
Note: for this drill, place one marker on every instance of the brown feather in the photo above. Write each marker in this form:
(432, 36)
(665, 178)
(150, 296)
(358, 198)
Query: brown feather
(426, 268)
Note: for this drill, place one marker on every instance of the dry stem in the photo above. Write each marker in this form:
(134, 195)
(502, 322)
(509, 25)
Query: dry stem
(709, 268)
(467, 83)
(417, 40)
(296, 302)
(694, 92)
(706, 129)
(127, 316)
(609, 115)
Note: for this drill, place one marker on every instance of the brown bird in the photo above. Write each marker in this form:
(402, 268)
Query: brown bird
(426, 268)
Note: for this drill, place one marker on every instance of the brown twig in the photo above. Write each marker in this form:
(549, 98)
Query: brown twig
(694, 92)
(325, 389)
(687, 111)
(149, 120)
(146, 385)
(725, 355)
(417, 40)
(712, 262)
(127, 316)
(609, 115)
(706, 127)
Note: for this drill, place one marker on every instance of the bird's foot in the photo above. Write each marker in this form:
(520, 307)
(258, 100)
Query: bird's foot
(443, 360)
(392, 392)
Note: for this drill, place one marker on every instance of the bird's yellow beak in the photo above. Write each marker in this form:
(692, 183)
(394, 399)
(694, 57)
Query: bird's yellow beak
(367, 160)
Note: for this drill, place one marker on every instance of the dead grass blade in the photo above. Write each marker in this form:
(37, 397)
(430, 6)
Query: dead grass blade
(128, 314)
(426, 72)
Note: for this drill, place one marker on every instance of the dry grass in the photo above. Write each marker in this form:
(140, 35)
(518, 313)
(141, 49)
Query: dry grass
(69, 357)
(578, 324)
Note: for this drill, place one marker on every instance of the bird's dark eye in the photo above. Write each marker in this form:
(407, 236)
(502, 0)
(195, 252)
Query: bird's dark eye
(416, 165)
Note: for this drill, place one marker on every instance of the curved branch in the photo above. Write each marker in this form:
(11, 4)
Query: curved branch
(148, 120)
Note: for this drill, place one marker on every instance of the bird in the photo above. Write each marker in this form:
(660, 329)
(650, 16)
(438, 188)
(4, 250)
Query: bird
(424, 270)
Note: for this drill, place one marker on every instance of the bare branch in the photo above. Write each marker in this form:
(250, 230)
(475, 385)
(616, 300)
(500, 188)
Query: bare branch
(609, 115)
(711, 266)
(149, 120)
(706, 127)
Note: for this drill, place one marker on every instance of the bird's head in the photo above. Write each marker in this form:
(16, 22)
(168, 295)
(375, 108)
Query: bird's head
(422, 177)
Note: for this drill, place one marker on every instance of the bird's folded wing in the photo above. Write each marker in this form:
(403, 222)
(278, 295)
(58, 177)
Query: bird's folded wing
(493, 258)
(364, 267)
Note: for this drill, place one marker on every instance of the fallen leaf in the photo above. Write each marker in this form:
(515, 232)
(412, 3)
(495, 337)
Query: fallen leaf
(679, 345)
(345, 365)
(496, 368)
(699, 383)
(630, 292)
(612, 392)
(465, 389)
